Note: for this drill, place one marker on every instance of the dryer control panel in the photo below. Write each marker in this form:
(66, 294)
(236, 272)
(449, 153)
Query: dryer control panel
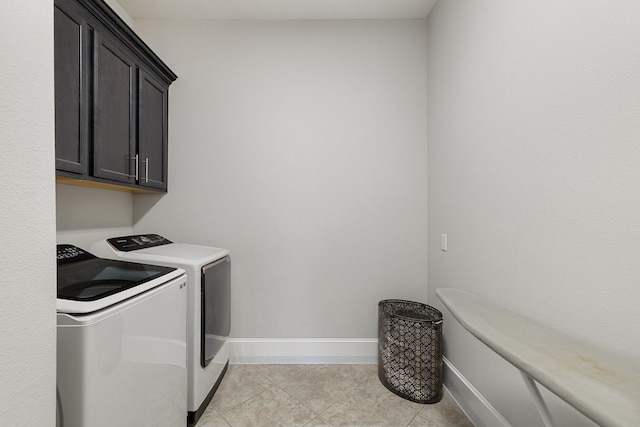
(139, 241)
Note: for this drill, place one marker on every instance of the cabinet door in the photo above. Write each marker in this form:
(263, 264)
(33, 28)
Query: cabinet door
(114, 120)
(152, 131)
(72, 57)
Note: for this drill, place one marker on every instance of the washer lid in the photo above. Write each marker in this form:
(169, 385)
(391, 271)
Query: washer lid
(87, 283)
(178, 253)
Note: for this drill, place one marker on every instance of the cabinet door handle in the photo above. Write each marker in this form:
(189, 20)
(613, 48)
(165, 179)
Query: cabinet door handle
(146, 169)
(137, 166)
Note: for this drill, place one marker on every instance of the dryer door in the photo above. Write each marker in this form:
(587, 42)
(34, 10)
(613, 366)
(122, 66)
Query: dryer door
(216, 308)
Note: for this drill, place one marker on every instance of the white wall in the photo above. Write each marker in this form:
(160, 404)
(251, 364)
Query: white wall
(533, 174)
(86, 215)
(117, 8)
(27, 215)
(301, 147)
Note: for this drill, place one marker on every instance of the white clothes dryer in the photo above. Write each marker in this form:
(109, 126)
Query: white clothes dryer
(208, 306)
(121, 342)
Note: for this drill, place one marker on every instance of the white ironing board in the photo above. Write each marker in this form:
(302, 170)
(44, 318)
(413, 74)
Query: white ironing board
(602, 385)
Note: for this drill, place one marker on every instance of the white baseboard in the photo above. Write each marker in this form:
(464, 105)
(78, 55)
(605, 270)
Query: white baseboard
(474, 405)
(303, 350)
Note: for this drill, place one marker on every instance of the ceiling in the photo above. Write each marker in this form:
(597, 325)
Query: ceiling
(278, 9)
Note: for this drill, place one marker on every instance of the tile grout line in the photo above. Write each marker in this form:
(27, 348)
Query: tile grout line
(413, 419)
(242, 403)
(271, 385)
(300, 402)
(225, 420)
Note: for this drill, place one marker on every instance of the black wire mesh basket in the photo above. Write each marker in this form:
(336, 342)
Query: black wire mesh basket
(410, 350)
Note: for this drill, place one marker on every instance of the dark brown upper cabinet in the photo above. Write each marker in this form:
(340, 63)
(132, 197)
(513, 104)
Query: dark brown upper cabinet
(72, 61)
(111, 101)
(114, 112)
(152, 128)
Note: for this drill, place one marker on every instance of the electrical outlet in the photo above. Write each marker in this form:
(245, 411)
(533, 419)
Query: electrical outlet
(443, 242)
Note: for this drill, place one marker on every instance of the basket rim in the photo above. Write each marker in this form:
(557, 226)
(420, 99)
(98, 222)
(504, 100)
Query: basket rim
(439, 318)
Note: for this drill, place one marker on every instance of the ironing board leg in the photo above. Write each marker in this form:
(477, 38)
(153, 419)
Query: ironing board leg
(537, 397)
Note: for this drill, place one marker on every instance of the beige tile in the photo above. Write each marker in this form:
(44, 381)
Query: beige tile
(217, 421)
(358, 373)
(209, 414)
(366, 381)
(446, 412)
(438, 420)
(318, 422)
(319, 396)
(368, 386)
(370, 409)
(423, 422)
(240, 383)
(318, 386)
(278, 373)
(271, 408)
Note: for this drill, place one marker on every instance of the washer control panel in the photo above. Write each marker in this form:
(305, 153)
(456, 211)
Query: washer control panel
(139, 241)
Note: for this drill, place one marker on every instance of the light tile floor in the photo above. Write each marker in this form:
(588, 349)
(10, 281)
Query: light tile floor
(319, 395)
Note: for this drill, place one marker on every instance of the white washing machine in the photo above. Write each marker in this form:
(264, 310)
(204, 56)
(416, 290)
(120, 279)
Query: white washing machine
(208, 306)
(121, 342)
